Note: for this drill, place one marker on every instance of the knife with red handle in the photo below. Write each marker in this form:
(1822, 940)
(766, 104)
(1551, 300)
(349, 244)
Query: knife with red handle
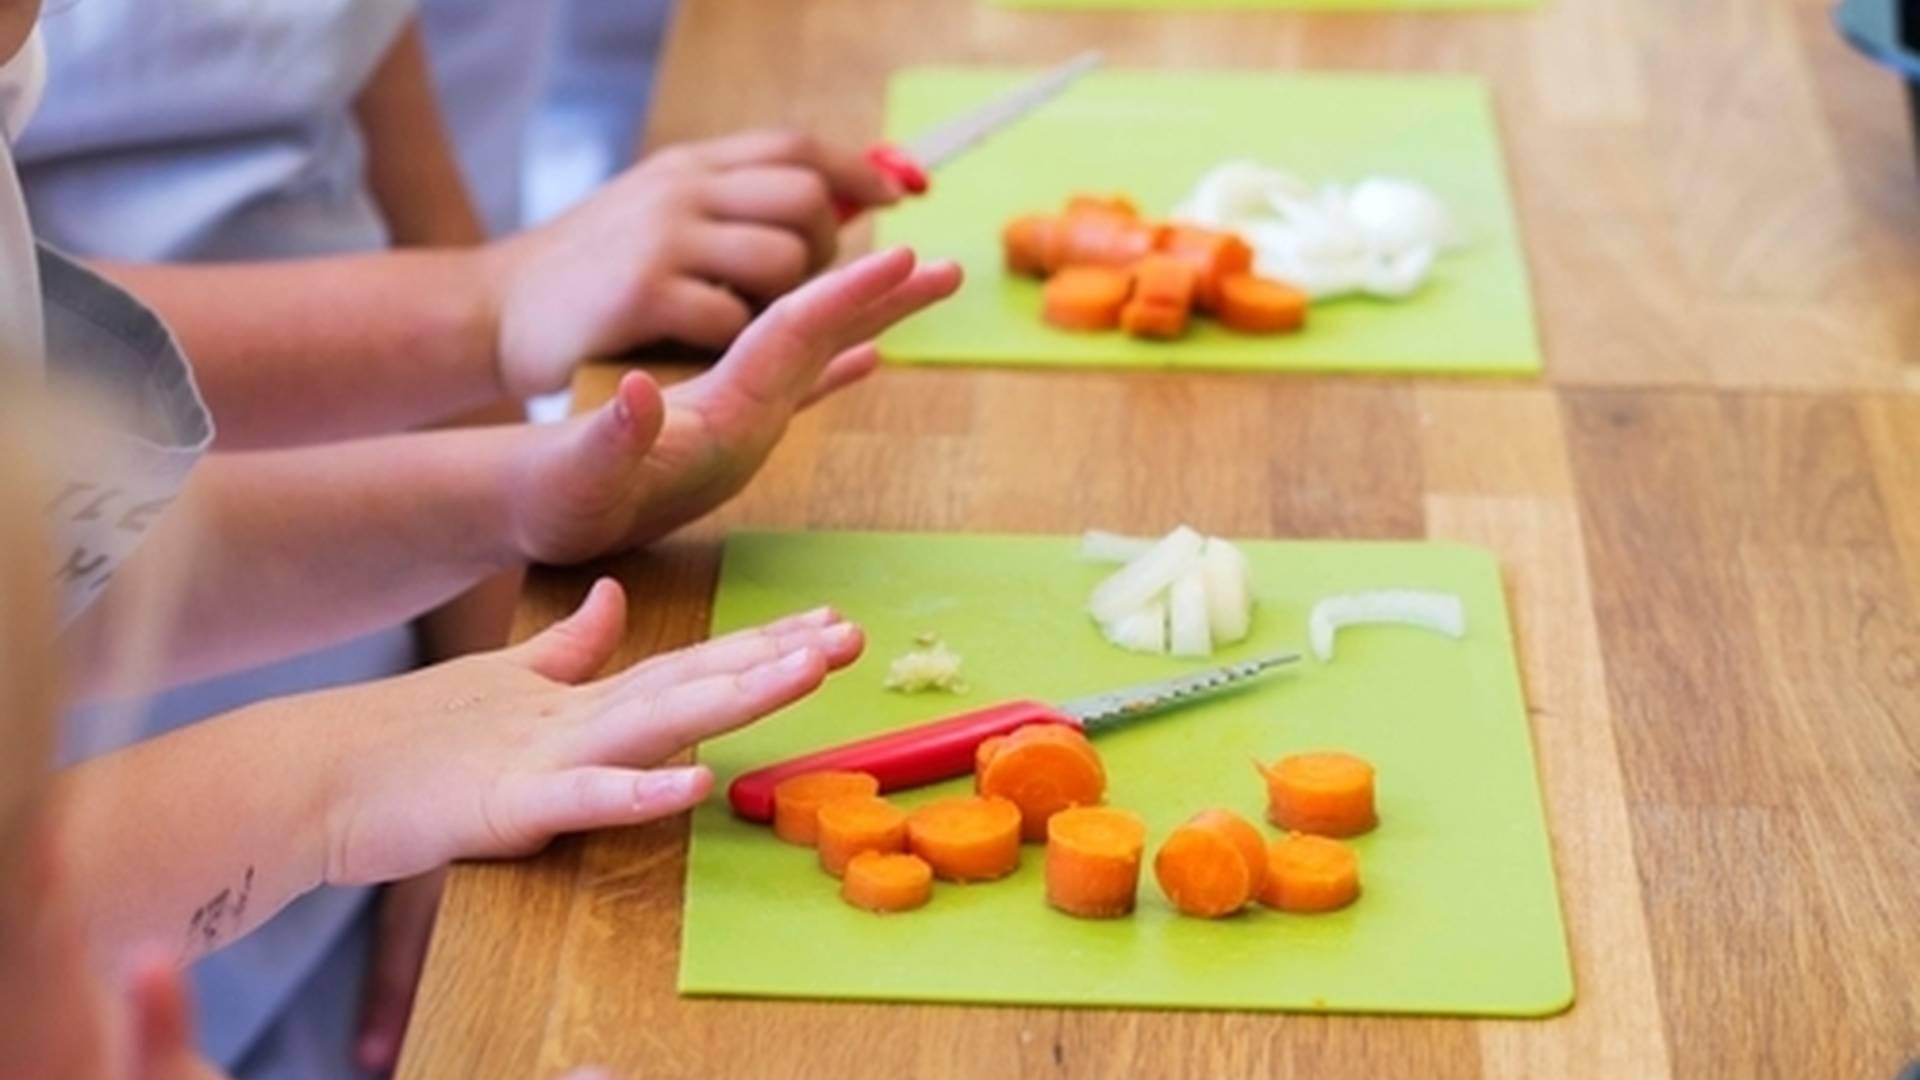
(911, 165)
(928, 753)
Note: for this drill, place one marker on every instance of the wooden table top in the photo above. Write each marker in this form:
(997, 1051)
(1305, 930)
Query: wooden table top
(1708, 513)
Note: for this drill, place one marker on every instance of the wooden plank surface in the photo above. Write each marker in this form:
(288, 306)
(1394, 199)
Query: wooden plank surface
(1708, 514)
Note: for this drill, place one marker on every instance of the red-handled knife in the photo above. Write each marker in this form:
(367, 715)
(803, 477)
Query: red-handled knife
(944, 749)
(910, 164)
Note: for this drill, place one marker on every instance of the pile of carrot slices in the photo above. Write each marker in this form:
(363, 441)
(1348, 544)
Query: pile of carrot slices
(1106, 267)
(1045, 783)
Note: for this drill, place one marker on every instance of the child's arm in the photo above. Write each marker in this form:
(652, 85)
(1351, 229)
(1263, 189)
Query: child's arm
(679, 247)
(276, 552)
(198, 836)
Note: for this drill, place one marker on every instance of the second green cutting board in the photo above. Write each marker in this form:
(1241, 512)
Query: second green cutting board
(1151, 135)
(1460, 914)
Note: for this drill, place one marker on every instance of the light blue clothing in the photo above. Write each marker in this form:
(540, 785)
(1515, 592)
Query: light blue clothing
(186, 130)
(545, 98)
(206, 129)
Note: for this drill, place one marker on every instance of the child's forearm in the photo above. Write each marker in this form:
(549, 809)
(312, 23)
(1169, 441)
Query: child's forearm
(273, 553)
(195, 838)
(301, 351)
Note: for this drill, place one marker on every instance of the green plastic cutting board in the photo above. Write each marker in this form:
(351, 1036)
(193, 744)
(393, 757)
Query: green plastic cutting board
(1459, 913)
(1151, 135)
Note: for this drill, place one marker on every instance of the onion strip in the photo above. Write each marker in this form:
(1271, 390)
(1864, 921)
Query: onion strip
(1439, 612)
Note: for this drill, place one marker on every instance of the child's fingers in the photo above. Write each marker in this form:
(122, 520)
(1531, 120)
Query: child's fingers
(162, 1019)
(840, 642)
(791, 197)
(639, 728)
(847, 172)
(543, 806)
(762, 261)
(698, 313)
(928, 284)
(842, 371)
(573, 649)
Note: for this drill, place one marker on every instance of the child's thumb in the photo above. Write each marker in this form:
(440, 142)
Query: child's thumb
(575, 648)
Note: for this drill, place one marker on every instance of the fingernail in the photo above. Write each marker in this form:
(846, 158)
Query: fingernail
(621, 413)
(822, 614)
(843, 634)
(677, 783)
(796, 661)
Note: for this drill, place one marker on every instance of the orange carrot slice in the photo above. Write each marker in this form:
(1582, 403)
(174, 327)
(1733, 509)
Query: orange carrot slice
(1098, 239)
(1245, 837)
(1086, 297)
(1255, 305)
(1044, 769)
(884, 883)
(983, 754)
(1203, 871)
(1310, 874)
(1026, 241)
(1116, 205)
(1162, 298)
(967, 839)
(797, 801)
(1093, 861)
(1213, 255)
(857, 824)
(1327, 794)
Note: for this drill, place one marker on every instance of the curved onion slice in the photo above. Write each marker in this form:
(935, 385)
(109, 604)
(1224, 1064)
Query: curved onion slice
(1188, 621)
(1436, 611)
(1099, 545)
(1229, 601)
(1136, 584)
(1143, 631)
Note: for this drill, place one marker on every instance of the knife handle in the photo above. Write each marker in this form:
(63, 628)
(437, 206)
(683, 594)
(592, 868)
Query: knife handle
(908, 757)
(894, 162)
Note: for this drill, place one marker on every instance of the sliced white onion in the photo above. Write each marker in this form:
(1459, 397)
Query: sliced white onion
(1142, 631)
(1189, 631)
(1436, 611)
(1101, 546)
(1398, 214)
(1400, 276)
(1141, 581)
(1229, 600)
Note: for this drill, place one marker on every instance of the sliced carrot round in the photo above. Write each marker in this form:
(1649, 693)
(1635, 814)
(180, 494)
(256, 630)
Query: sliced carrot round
(1026, 240)
(967, 839)
(1214, 256)
(1255, 305)
(1310, 874)
(1203, 872)
(858, 824)
(1086, 297)
(1116, 205)
(883, 883)
(1044, 769)
(983, 754)
(1245, 838)
(1098, 239)
(1093, 861)
(797, 801)
(1328, 793)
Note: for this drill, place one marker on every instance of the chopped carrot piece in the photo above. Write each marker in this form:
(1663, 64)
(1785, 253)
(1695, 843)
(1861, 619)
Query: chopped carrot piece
(1093, 861)
(1086, 297)
(884, 883)
(983, 754)
(967, 839)
(1098, 239)
(1255, 305)
(1116, 205)
(1245, 837)
(1214, 256)
(1310, 874)
(1327, 794)
(1162, 298)
(1026, 240)
(1044, 769)
(797, 801)
(1204, 870)
(857, 824)
(1153, 320)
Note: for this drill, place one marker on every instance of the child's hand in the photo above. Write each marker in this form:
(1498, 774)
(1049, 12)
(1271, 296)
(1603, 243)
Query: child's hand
(675, 248)
(645, 463)
(494, 755)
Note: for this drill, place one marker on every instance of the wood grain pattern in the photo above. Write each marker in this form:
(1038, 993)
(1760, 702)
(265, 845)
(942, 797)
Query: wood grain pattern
(1708, 515)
